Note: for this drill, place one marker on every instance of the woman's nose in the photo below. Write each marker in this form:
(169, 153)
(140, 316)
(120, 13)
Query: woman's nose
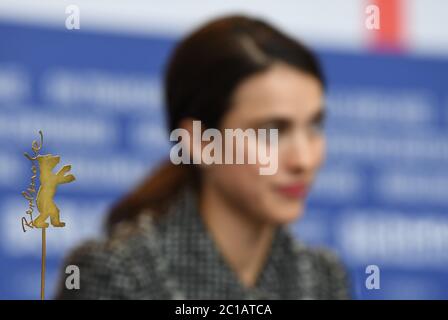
(300, 155)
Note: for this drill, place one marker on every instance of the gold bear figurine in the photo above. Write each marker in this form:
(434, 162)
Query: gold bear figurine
(48, 184)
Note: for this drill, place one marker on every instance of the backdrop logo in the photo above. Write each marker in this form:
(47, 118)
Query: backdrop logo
(256, 146)
(46, 207)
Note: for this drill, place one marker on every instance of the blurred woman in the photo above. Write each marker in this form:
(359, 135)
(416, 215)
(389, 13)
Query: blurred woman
(218, 231)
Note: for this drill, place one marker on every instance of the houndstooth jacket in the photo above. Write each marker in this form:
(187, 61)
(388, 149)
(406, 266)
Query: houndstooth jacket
(175, 258)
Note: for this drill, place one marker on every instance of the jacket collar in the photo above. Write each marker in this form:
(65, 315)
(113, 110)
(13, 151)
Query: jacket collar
(198, 267)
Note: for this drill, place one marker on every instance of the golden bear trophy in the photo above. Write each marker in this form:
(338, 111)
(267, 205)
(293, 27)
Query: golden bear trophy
(46, 207)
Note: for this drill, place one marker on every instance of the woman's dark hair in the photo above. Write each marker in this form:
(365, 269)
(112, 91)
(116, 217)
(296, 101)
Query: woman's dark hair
(200, 79)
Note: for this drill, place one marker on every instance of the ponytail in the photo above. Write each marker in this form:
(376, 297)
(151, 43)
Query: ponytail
(154, 193)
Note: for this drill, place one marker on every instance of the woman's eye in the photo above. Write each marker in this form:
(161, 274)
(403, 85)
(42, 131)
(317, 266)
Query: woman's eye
(280, 127)
(317, 126)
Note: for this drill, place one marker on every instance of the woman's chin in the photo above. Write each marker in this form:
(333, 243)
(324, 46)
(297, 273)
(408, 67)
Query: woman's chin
(287, 213)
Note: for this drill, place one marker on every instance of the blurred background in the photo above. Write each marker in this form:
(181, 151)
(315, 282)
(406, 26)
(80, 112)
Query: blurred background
(96, 92)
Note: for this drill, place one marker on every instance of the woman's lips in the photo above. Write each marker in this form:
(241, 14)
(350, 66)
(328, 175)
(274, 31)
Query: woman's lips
(297, 190)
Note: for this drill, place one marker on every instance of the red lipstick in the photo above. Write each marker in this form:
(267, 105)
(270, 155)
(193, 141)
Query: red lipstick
(296, 190)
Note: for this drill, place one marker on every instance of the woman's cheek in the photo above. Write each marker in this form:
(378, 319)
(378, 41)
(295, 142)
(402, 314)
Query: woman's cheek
(319, 152)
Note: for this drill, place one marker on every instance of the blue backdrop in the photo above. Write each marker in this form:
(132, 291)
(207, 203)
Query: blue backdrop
(382, 197)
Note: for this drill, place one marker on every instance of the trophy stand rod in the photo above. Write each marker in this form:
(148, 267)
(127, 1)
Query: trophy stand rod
(42, 276)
